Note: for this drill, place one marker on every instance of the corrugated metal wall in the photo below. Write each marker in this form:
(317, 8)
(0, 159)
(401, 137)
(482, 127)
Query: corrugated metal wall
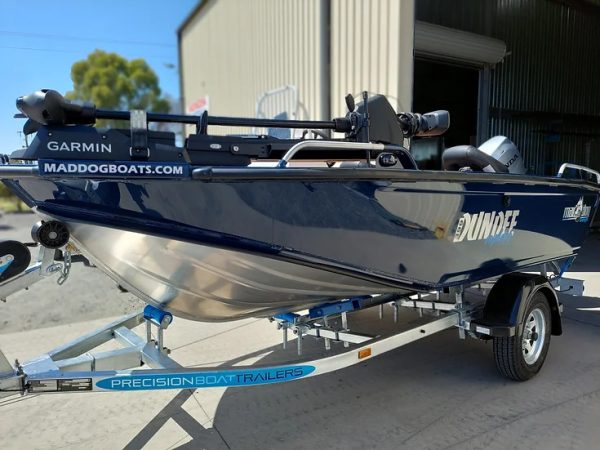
(546, 93)
(372, 49)
(235, 50)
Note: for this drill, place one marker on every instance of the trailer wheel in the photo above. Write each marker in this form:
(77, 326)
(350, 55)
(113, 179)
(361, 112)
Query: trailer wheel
(521, 356)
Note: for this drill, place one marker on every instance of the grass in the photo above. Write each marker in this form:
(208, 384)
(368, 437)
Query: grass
(9, 203)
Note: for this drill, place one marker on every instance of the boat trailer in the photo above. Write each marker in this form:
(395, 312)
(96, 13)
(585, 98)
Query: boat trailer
(509, 308)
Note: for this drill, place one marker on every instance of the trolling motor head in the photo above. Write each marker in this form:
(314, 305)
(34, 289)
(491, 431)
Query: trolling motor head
(430, 124)
(48, 107)
(387, 126)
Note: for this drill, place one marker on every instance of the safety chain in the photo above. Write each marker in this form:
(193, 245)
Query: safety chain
(66, 269)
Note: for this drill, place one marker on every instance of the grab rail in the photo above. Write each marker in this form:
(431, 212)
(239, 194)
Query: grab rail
(578, 167)
(315, 144)
(8, 172)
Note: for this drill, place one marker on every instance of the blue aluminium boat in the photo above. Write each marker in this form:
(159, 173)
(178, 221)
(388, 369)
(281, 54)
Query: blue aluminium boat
(227, 227)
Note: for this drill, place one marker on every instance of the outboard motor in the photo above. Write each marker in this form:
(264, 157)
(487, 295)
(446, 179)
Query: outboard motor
(498, 154)
(504, 150)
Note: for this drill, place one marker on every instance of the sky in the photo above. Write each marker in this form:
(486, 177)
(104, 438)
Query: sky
(40, 40)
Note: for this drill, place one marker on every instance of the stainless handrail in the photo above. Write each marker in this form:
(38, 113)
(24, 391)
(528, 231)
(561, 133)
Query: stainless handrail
(316, 144)
(577, 167)
(8, 171)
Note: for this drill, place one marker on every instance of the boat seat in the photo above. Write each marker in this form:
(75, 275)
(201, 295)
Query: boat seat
(467, 156)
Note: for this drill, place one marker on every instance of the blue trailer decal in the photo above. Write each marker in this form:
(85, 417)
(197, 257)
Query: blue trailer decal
(5, 265)
(203, 379)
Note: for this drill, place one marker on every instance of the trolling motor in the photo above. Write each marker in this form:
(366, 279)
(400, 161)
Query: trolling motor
(384, 125)
(64, 133)
(48, 107)
(369, 119)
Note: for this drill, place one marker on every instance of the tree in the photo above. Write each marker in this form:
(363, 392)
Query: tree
(10, 202)
(112, 82)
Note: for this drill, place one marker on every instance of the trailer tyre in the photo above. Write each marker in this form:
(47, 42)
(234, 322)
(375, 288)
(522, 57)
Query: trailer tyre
(521, 356)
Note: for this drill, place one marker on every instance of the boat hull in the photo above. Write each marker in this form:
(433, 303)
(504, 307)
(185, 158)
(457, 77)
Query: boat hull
(228, 249)
(209, 283)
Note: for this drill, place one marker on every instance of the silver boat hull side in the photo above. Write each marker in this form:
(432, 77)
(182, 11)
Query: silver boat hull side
(205, 283)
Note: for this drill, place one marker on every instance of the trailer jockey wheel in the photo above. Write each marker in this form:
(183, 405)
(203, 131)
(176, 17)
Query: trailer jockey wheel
(50, 234)
(521, 356)
(14, 259)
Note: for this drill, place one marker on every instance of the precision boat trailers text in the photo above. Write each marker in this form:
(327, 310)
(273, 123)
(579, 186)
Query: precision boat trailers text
(248, 377)
(183, 380)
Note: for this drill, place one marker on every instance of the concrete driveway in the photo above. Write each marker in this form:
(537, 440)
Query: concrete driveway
(437, 393)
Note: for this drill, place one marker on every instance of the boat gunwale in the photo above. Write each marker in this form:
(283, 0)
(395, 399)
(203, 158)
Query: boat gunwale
(221, 173)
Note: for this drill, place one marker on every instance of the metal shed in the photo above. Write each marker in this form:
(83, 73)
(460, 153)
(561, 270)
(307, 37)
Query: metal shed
(527, 69)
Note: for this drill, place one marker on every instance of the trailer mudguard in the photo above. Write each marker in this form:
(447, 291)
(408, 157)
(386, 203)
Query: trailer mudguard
(505, 305)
